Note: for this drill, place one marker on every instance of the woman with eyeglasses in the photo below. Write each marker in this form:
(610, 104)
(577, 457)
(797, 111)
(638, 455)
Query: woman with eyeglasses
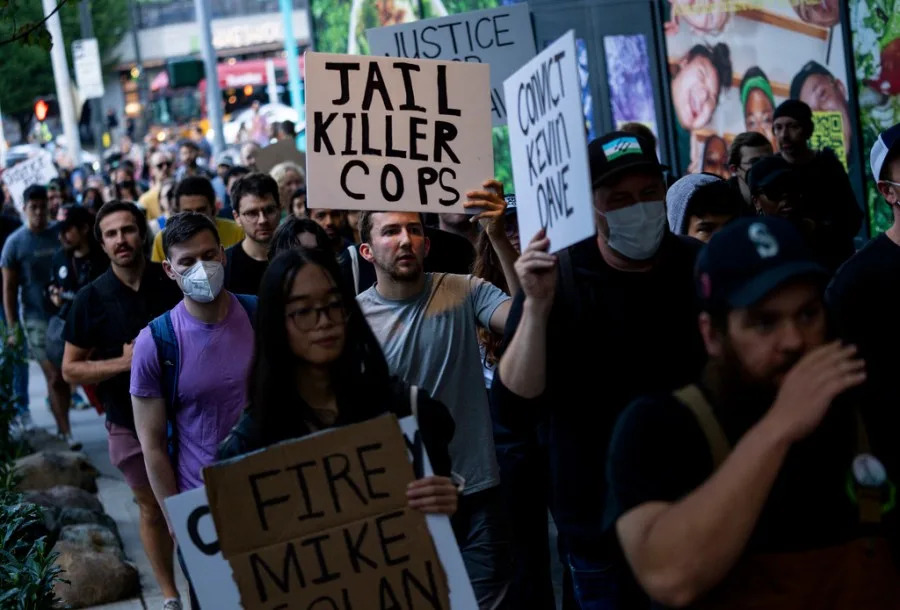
(318, 365)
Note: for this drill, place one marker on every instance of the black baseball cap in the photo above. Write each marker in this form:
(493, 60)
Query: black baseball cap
(748, 259)
(770, 173)
(808, 69)
(614, 153)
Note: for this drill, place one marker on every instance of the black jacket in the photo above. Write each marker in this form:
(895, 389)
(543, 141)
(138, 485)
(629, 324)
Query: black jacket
(435, 424)
(612, 336)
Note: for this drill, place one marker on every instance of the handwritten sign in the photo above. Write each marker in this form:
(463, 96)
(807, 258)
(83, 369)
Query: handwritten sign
(38, 169)
(387, 134)
(501, 37)
(548, 148)
(326, 518)
(213, 582)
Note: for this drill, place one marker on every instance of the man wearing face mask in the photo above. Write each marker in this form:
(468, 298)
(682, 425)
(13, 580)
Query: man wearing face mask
(213, 331)
(628, 297)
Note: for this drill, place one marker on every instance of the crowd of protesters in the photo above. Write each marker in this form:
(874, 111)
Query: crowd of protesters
(700, 396)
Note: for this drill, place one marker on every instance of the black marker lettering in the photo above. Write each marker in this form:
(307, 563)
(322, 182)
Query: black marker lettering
(325, 575)
(386, 541)
(257, 498)
(444, 133)
(414, 135)
(448, 189)
(193, 527)
(320, 128)
(406, 68)
(389, 140)
(392, 169)
(498, 31)
(375, 82)
(366, 149)
(430, 594)
(348, 134)
(427, 177)
(344, 68)
(343, 474)
(443, 107)
(298, 468)
(368, 473)
(346, 171)
(354, 546)
(290, 571)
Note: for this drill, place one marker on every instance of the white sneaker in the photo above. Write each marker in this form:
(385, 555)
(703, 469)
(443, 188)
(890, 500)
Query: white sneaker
(24, 422)
(73, 444)
(172, 604)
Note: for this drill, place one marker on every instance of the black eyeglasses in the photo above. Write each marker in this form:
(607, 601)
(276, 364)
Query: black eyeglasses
(306, 318)
(268, 211)
(164, 165)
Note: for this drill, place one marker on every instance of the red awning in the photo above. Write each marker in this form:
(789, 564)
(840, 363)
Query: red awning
(236, 75)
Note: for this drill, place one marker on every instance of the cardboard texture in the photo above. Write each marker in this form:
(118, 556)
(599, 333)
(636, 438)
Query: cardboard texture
(548, 147)
(325, 518)
(501, 37)
(390, 134)
(273, 154)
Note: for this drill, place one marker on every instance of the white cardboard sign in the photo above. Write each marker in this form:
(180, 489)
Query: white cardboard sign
(38, 169)
(211, 575)
(501, 37)
(548, 147)
(390, 134)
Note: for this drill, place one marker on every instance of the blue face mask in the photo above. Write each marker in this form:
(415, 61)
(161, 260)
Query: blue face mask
(636, 231)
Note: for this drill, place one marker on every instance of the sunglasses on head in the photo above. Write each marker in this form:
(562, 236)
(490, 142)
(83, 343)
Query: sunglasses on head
(163, 164)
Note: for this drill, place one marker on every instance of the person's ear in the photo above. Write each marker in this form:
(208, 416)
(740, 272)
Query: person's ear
(235, 214)
(366, 251)
(712, 338)
(167, 267)
(887, 191)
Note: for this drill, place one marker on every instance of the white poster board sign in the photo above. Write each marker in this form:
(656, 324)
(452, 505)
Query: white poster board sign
(38, 169)
(210, 573)
(88, 71)
(390, 134)
(501, 37)
(548, 147)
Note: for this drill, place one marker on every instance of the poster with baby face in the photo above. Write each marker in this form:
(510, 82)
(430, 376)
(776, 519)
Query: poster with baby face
(731, 62)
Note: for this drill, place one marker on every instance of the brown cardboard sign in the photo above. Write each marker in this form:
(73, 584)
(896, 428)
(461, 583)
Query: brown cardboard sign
(323, 522)
(273, 154)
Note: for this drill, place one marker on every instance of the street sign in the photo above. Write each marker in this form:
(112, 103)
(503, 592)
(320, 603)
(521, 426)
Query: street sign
(88, 71)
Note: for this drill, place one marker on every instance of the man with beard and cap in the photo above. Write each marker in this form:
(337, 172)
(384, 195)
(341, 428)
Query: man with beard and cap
(627, 296)
(756, 486)
(103, 322)
(825, 188)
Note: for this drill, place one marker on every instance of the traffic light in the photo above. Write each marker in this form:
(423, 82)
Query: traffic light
(41, 108)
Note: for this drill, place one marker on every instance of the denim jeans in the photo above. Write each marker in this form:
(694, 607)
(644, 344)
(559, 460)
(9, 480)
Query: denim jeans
(481, 529)
(20, 380)
(604, 584)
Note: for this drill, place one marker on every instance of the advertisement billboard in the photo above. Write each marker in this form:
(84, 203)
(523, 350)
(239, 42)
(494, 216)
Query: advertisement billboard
(731, 64)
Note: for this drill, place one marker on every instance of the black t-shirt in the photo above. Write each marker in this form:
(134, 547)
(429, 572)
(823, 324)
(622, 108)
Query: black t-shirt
(864, 299)
(658, 453)
(243, 272)
(105, 315)
(612, 336)
(8, 224)
(71, 274)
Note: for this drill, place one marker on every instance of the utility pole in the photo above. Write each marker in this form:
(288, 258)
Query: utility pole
(213, 94)
(63, 82)
(142, 78)
(96, 104)
(293, 68)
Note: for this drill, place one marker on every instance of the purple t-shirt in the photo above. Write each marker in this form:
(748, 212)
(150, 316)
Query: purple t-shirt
(212, 383)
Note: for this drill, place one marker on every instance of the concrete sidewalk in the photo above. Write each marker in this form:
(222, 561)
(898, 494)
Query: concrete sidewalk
(89, 428)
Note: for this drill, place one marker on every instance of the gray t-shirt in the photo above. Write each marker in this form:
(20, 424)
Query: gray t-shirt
(31, 255)
(430, 340)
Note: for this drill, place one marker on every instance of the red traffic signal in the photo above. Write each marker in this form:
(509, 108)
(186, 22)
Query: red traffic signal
(41, 108)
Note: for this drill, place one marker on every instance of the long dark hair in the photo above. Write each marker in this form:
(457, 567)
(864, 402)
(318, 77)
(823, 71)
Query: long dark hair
(360, 376)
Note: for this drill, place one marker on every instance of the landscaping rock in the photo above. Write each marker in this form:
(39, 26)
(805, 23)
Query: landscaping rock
(47, 469)
(95, 577)
(65, 496)
(38, 439)
(75, 516)
(93, 537)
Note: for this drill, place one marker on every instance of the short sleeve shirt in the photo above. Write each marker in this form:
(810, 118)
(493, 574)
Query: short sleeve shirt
(212, 383)
(431, 341)
(105, 315)
(243, 272)
(31, 256)
(230, 233)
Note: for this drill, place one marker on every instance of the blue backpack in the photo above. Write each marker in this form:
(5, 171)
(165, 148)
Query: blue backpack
(163, 333)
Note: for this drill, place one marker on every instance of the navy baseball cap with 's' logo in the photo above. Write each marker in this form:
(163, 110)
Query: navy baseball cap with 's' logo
(747, 260)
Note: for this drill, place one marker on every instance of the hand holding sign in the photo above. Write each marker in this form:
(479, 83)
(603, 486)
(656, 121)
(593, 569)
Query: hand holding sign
(537, 272)
(436, 495)
(493, 206)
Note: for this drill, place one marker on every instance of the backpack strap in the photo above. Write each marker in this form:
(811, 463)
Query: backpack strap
(691, 397)
(163, 333)
(250, 303)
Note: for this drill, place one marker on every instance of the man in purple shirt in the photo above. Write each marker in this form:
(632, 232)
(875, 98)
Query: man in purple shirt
(214, 334)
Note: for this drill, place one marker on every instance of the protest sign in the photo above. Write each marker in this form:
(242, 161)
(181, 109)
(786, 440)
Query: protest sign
(214, 584)
(38, 169)
(273, 154)
(548, 148)
(501, 37)
(326, 518)
(396, 135)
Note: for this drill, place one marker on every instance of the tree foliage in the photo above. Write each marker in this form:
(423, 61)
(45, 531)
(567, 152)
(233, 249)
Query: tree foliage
(25, 69)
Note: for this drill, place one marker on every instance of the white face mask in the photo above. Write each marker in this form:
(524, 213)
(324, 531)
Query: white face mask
(637, 230)
(203, 281)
